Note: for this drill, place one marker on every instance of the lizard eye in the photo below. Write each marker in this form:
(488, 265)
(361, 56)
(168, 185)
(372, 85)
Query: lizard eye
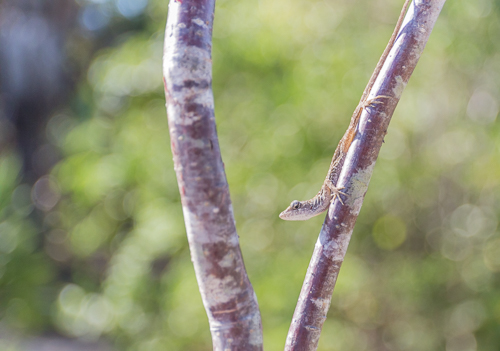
(295, 204)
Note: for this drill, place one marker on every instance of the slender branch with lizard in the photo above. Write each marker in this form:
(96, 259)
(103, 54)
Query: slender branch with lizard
(303, 210)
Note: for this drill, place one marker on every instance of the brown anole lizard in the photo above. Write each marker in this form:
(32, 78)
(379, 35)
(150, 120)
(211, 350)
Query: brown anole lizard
(303, 210)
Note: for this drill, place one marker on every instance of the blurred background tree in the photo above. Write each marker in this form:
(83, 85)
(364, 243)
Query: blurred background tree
(92, 241)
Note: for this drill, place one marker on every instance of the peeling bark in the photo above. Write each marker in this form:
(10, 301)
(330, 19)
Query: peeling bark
(227, 294)
(315, 296)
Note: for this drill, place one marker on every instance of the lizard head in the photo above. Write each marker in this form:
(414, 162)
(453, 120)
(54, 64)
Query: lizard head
(298, 211)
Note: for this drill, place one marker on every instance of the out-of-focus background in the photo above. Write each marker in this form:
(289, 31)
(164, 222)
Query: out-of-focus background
(93, 252)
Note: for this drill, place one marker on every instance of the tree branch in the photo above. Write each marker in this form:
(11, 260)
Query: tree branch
(227, 294)
(315, 296)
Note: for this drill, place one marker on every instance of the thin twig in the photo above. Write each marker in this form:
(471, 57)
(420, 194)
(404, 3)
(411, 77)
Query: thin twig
(227, 294)
(315, 296)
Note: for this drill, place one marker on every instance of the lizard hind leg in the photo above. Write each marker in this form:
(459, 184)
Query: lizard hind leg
(335, 191)
(375, 101)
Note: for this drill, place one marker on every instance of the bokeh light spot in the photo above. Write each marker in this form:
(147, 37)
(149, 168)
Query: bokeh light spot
(8, 237)
(45, 193)
(389, 232)
(131, 8)
(483, 107)
(491, 255)
(94, 18)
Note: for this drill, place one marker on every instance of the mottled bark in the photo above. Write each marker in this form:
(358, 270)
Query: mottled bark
(315, 296)
(227, 294)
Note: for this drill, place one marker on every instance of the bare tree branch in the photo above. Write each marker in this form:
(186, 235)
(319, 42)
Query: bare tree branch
(227, 294)
(315, 296)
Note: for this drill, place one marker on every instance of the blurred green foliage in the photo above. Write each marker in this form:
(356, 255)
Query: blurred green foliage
(422, 270)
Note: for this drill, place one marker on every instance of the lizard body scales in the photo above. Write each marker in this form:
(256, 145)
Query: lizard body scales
(303, 210)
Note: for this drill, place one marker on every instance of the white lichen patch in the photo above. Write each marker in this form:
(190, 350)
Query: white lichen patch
(335, 250)
(359, 185)
(189, 62)
(195, 234)
(220, 290)
(399, 86)
(199, 22)
(233, 240)
(205, 98)
(227, 260)
(251, 323)
(255, 329)
(196, 143)
(323, 304)
(176, 110)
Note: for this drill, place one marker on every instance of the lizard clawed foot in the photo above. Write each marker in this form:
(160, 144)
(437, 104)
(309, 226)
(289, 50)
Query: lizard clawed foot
(336, 193)
(374, 101)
